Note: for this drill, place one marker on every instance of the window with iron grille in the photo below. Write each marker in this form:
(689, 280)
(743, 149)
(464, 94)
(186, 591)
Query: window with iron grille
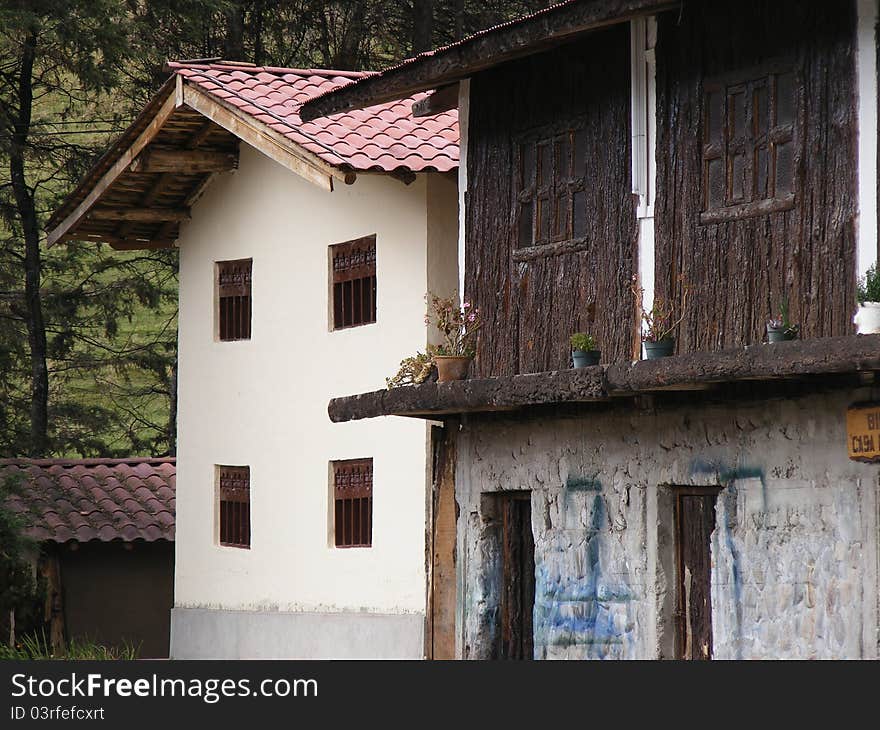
(234, 484)
(234, 299)
(353, 267)
(750, 132)
(551, 192)
(353, 502)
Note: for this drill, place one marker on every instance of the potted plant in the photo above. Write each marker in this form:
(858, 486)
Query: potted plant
(658, 323)
(780, 328)
(458, 326)
(867, 318)
(583, 350)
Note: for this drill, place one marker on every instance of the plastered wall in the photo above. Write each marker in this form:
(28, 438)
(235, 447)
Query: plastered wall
(794, 550)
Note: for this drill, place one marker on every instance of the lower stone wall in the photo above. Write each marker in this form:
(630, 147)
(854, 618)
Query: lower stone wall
(204, 633)
(794, 551)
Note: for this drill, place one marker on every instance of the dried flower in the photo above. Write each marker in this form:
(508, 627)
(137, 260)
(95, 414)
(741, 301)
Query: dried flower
(658, 320)
(457, 326)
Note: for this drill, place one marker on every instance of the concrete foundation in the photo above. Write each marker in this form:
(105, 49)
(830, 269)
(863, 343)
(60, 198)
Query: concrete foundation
(794, 552)
(199, 633)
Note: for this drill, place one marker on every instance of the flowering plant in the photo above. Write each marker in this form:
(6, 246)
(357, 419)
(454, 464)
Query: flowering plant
(457, 325)
(782, 322)
(657, 322)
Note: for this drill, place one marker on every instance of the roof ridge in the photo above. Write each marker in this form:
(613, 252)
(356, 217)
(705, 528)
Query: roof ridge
(23, 461)
(276, 70)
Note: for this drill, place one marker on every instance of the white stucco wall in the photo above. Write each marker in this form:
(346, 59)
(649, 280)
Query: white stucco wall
(263, 402)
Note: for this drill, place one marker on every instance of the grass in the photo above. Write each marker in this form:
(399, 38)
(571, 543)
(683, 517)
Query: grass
(37, 647)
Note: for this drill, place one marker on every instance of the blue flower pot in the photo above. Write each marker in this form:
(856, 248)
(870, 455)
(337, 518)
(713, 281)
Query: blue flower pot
(656, 350)
(585, 358)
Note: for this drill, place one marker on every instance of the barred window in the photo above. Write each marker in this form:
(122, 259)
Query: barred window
(750, 130)
(234, 299)
(353, 502)
(234, 483)
(353, 266)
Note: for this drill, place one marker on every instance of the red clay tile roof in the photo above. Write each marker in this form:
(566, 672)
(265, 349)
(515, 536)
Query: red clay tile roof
(383, 138)
(93, 499)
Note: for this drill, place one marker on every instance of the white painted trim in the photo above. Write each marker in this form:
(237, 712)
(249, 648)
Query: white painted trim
(866, 75)
(643, 35)
(464, 96)
(643, 38)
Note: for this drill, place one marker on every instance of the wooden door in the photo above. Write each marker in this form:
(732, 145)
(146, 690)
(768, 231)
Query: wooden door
(518, 584)
(695, 520)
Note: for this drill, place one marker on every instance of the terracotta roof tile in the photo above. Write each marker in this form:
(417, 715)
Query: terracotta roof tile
(93, 499)
(274, 97)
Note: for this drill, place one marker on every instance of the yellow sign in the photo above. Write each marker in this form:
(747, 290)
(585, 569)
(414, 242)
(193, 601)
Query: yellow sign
(863, 432)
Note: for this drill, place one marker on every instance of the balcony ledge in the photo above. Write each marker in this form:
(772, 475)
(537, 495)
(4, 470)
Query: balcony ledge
(692, 371)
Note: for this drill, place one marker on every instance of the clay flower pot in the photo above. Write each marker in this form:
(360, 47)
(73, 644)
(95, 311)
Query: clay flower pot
(661, 348)
(451, 367)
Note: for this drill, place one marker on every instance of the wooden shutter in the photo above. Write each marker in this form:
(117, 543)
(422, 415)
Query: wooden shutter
(235, 506)
(234, 299)
(353, 265)
(353, 502)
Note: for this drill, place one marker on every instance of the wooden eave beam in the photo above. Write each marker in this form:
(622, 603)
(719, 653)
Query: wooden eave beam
(481, 52)
(262, 137)
(121, 164)
(188, 162)
(140, 215)
(442, 100)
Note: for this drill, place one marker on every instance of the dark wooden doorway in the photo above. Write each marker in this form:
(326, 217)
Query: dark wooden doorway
(694, 522)
(518, 581)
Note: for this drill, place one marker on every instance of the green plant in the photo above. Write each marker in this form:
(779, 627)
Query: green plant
(782, 322)
(457, 325)
(658, 322)
(868, 289)
(583, 341)
(413, 370)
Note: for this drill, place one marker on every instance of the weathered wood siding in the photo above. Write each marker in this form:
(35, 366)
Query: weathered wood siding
(741, 269)
(533, 298)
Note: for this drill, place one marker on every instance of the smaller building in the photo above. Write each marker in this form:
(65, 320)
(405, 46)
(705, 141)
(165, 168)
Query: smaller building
(106, 529)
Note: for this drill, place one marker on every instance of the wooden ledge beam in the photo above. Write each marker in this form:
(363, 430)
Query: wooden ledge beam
(140, 215)
(184, 161)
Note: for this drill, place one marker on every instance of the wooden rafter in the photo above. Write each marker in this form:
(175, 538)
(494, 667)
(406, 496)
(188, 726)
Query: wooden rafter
(441, 100)
(121, 164)
(140, 215)
(189, 162)
(266, 140)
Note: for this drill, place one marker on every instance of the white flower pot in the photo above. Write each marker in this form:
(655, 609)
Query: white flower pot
(867, 319)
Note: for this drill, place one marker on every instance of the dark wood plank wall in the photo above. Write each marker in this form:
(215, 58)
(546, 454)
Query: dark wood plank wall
(740, 270)
(533, 304)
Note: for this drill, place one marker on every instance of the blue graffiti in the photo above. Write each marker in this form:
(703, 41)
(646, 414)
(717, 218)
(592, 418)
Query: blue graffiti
(587, 610)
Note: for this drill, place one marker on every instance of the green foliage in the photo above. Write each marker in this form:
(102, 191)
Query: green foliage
(582, 341)
(782, 321)
(36, 646)
(20, 592)
(869, 286)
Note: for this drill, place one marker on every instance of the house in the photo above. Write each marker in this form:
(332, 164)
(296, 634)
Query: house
(719, 503)
(305, 254)
(105, 528)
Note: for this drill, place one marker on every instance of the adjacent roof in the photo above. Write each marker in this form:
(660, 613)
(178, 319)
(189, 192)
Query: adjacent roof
(449, 64)
(92, 499)
(141, 190)
(384, 138)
